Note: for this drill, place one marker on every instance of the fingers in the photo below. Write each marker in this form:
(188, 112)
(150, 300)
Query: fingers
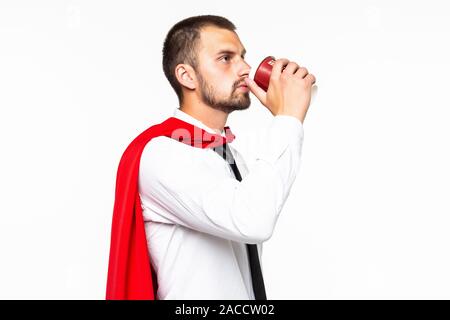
(278, 68)
(302, 72)
(256, 90)
(291, 68)
(310, 78)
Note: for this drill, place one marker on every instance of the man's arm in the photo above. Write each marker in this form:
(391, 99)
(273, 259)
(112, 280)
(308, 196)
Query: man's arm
(194, 190)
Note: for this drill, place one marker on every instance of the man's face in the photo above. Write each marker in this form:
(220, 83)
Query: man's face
(221, 70)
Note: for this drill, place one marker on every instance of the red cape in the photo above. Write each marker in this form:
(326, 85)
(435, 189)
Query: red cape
(130, 275)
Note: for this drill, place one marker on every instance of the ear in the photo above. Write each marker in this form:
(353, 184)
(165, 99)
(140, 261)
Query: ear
(186, 76)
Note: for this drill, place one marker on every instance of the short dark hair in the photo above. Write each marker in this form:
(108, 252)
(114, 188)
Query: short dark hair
(181, 43)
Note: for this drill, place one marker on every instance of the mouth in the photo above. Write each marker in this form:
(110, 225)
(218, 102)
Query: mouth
(243, 86)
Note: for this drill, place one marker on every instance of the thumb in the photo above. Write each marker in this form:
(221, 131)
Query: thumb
(256, 90)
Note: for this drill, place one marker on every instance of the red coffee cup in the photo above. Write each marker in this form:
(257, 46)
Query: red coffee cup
(262, 73)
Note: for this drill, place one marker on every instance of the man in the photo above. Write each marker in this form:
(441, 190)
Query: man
(206, 215)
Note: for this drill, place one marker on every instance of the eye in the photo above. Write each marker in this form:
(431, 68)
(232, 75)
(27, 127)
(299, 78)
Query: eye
(225, 58)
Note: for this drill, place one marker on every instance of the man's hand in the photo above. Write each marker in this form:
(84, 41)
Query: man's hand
(289, 91)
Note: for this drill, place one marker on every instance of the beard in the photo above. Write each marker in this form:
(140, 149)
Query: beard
(235, 101)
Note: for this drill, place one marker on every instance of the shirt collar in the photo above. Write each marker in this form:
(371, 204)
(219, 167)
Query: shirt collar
(188, 118)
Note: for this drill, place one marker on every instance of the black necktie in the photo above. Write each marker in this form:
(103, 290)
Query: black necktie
(255, 267)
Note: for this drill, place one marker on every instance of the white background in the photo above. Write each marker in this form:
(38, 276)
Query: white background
(368, 216)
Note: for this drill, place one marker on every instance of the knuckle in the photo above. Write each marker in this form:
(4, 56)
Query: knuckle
(281, 61)
(302, 70)
(284, 76)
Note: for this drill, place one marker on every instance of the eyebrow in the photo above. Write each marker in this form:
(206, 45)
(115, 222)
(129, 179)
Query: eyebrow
(231, 52)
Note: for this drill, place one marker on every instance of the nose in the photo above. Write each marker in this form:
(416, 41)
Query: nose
(244, 69)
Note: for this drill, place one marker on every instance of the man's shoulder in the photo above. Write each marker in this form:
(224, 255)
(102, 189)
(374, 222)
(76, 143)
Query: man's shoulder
(161, 147)
(163, 144)
(164, 153)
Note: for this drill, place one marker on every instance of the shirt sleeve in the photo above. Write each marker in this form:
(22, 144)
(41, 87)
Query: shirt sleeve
(195, 188)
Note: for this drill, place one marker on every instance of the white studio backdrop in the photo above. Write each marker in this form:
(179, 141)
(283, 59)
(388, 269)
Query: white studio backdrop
(368, 216)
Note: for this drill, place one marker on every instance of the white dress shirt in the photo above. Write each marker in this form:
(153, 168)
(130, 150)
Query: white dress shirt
(198, 217)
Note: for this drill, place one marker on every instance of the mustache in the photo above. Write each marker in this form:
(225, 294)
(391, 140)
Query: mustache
(238, 84)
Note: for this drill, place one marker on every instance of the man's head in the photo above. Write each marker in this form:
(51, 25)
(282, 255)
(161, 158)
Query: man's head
(203, 59)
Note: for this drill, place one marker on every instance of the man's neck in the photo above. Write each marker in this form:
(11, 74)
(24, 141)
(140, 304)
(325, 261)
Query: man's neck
(212, 118)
